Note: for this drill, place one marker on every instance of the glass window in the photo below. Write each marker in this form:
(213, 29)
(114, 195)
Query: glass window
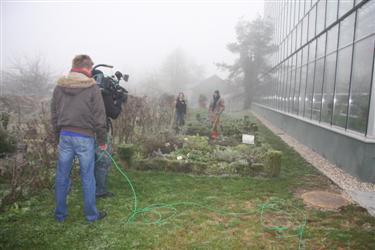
(297, 91)
(284, 22)
(312, 50)
(293, 82)
(305, 55)
(304, 7)
(285, 48)
(309, 89)
(304, 30)
(346, 31)
(361, 84)
(301, 9)
(332, 39)
(308, 5)
(302, 91)
(318, 83)
(278, 90)
(342, 86)
(312, 18)
(331, 12)
(285, 90)
(365, 20)
(358, 1)
(292, 14)
(321, 15)
(298, 58)
(298, 41)
(345, 6)
(289, 17)
(293, 41)
(288, 86)
(328, 88)
(298, 11)
(321, 45)
(281, 87)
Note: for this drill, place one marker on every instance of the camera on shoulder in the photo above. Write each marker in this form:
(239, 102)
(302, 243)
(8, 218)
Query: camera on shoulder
(110, 85)
(114, 95)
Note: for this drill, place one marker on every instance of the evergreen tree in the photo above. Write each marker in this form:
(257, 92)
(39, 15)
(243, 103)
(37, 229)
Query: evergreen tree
(254, 43)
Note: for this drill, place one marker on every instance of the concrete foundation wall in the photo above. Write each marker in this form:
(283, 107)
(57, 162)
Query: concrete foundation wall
(355, 155)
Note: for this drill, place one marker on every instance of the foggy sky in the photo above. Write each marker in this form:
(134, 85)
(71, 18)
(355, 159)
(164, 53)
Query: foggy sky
(135, 36)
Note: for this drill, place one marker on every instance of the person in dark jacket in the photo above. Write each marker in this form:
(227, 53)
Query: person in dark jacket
(113, 107)
(78, 116)
(180, 109)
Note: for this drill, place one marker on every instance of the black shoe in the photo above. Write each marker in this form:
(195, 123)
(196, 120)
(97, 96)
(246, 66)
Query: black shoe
(105, 195)
(101, 215)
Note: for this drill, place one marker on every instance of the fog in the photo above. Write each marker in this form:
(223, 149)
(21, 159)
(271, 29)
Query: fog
(135, 36)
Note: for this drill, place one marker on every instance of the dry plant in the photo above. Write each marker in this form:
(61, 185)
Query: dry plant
(30, 168)
(143, 116)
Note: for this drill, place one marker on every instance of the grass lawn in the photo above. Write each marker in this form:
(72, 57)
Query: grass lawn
(30, 225)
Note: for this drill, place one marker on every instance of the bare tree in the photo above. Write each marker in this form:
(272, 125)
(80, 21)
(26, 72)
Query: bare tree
(27, 77)
(178, 71)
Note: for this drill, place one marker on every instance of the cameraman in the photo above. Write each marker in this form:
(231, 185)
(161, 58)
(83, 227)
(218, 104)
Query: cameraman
(113, 99)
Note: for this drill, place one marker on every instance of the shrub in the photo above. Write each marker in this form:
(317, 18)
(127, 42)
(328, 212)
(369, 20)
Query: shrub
(126, 152)
(272, 163)
(228, 155)
(4, 119)
(199, 143)
(162, 142)
(7, 142)
(201, 129)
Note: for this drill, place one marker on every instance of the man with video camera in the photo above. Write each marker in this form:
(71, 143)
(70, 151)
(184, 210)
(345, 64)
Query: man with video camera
(113, 96)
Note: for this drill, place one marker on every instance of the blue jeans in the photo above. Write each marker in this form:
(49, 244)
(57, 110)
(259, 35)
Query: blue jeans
(102, 164)
(84, 148)
(180, 118)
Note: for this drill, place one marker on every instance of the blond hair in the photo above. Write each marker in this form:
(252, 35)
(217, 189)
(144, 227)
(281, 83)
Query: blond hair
(82, 61)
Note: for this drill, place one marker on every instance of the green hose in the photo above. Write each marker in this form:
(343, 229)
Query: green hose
(272, 203)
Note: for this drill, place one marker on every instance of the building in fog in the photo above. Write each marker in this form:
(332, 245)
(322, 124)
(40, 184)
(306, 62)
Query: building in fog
(322, 89)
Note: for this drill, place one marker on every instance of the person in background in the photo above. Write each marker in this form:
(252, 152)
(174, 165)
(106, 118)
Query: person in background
(215, 109)
(78, 117)
(180, 109)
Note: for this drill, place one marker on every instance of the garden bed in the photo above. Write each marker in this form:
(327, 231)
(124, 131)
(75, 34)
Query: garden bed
(194, 152)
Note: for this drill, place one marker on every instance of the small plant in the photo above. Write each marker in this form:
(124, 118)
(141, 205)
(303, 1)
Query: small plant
(272, 163)
(228, 155)
(126, 153)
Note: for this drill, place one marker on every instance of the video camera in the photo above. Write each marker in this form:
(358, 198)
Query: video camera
(111, 84)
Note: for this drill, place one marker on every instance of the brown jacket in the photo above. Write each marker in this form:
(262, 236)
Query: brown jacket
(77, 105)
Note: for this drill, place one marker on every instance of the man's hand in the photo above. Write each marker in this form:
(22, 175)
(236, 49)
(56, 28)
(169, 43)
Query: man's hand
(103, 147)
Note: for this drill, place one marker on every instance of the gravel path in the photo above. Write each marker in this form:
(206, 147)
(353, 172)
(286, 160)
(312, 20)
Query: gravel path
(362, 193)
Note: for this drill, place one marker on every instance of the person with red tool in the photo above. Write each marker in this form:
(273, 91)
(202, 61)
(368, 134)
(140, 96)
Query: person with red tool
(215, 109)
